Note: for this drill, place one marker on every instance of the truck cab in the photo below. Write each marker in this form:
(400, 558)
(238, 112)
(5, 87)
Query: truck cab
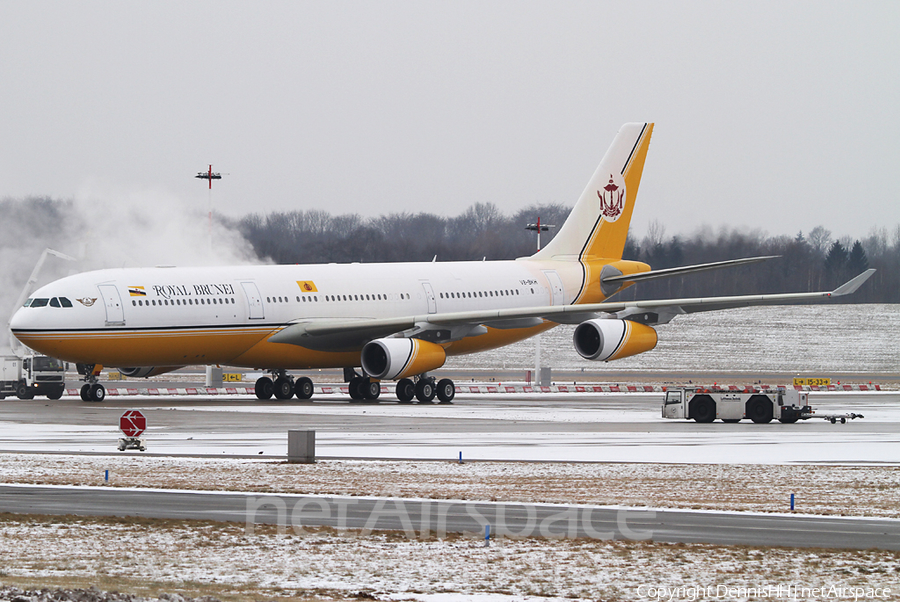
(31, 376)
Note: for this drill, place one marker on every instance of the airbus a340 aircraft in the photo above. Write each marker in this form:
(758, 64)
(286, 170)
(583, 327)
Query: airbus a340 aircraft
(396, 321)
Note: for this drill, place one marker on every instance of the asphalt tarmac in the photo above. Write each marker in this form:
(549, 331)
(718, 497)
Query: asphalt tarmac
(417, 517)
(593, 427)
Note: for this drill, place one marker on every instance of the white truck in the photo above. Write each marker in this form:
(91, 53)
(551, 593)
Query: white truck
(26, 377)
(729, 405)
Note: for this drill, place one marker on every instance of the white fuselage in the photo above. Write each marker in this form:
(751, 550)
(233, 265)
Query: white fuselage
(223, 315)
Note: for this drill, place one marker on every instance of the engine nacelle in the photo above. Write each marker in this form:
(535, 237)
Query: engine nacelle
(146, 371)
(398, 358)
(607, 340)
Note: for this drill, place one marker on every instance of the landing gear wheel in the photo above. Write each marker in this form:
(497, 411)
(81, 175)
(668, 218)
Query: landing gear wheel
(425, 390)
(24, 392)
(446, 390)
(370, 389)
(98, 392)
(264, 388)
(353, 386)
(283, 388)
(303, 388)
(406, 390)
(85, 392)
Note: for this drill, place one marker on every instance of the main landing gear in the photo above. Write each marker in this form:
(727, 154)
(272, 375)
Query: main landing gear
(283, 386)
(91, 390)
(424, 389)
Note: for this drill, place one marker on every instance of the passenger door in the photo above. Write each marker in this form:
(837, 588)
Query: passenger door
(556, 287)
(115, 313)
(429, 297)
(254, 301)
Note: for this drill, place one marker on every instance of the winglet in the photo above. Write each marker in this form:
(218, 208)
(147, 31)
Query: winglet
(850, 287)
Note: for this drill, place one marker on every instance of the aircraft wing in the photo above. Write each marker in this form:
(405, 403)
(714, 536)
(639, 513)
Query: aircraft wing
(350, 333)
(680, 271)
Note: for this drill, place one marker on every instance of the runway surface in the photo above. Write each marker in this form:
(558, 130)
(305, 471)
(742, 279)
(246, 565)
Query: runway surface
(591, 427)
(417, 517)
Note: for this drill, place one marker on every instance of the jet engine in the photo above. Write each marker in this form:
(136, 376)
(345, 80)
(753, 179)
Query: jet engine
(145, 371)
(390, 359)
(607, 340)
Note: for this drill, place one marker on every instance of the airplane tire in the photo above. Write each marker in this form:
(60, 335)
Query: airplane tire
(303, 388)
(264, 388)
(85, 392)
(370, 389)
(446, 390)
(425, 390)
(283, 388)
(353, 387)
(406, 390)
(98, 392)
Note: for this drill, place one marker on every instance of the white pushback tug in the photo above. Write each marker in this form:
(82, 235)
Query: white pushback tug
(760, 405)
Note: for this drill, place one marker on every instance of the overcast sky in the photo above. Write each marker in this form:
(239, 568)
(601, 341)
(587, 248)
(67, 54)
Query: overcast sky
(769, 115)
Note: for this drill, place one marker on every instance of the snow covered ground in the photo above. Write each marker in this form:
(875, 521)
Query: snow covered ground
(224, 560)
(819, 339)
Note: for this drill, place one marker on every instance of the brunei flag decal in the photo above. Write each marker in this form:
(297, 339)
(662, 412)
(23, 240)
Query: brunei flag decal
(137, 291)
(307, 286)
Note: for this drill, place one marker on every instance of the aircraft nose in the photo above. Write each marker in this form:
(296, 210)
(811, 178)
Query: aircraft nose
(20, 320)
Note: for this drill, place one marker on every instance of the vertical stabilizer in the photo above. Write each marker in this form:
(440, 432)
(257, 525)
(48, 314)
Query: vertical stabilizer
(598, 224)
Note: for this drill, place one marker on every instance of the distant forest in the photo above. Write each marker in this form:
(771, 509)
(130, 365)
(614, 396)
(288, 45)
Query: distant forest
(814, 260)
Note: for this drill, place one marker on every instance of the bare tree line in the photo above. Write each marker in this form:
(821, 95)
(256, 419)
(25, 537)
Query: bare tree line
(813, 260)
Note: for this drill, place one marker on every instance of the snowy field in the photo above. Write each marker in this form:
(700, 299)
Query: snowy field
(150, 556)
(793, 339)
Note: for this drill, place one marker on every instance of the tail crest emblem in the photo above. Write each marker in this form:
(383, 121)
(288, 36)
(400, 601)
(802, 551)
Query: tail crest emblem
(612, 199)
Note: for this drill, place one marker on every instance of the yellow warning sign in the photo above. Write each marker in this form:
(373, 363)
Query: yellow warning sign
(812, 382)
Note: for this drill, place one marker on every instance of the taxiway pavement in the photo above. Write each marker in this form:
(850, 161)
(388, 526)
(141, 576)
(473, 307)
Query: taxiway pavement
(433, 517)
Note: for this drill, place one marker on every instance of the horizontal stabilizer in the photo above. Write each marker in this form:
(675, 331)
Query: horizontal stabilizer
(688, 269)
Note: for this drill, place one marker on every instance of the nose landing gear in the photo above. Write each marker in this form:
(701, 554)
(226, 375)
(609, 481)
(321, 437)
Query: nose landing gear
(91, 390)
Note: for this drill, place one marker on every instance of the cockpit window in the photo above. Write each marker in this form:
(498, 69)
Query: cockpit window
(54, 302)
